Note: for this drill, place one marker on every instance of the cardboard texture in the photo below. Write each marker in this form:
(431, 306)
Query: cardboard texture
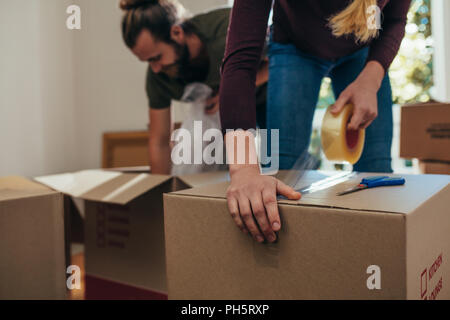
(329, 247)
(434, 167)
(425, 131)
(124, 228)
(32, 260)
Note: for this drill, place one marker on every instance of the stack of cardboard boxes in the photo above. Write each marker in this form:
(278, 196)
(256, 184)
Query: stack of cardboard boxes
(425, 134)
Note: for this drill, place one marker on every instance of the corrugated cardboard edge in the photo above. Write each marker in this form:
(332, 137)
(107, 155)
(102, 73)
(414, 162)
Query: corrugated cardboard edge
(328, 198)
(204, 178)
(291, 203)
(16, 187)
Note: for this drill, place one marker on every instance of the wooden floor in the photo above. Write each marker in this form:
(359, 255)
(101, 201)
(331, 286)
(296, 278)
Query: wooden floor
(78, 294)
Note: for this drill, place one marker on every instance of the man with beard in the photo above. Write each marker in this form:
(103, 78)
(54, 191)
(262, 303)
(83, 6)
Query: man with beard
(179, 51)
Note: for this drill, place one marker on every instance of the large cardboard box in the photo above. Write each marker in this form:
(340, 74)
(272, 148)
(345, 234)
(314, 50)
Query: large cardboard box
(32, 261)
(434, 167)
(381, 243)
(425, 131)
(124, 228)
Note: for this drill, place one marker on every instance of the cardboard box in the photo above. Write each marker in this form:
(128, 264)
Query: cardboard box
(381, 243)
(425, 131)
(124, 229)
(434, 167)
(32, 261)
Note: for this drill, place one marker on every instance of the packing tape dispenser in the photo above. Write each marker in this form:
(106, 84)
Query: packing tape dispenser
(339, 143)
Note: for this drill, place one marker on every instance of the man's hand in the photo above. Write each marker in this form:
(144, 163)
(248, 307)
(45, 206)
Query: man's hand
(362, 93)
(212, 105)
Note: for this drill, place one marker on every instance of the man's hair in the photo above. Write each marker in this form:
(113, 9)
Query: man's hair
(156, 16)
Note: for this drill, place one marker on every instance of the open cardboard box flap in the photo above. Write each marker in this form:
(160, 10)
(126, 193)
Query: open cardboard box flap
(15, 187)
(394, 199)
(104, 186)
(120, 186)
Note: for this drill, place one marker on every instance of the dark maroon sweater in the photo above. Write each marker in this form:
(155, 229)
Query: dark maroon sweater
(303, 23)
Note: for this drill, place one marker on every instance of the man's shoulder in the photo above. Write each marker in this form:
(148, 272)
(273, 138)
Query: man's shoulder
(223, 11)
(212, 22)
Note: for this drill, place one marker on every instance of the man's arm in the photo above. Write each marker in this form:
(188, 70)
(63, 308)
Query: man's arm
(262, 76)
(159, 141)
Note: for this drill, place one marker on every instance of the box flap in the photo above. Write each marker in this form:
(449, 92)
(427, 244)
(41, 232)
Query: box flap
(103, 185)
(395, 199)
(308, 177)
(136, 169)
(14, 187)
(205, 178)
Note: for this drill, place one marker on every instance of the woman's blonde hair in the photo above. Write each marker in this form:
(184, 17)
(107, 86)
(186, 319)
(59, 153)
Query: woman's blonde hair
(353, 20)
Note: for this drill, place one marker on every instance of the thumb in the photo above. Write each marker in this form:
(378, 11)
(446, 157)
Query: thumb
(340, 103)
(287, 191)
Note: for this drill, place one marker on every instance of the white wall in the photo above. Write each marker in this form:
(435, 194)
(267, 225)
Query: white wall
(109, 81)
(36, 88)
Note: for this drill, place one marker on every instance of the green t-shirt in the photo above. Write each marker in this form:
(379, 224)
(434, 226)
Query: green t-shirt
(211, 27)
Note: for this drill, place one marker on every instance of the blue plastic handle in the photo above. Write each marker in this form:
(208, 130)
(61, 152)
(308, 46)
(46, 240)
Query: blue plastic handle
(385, 181)
(370, 179)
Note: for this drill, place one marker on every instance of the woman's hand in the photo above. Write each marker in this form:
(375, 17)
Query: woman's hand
(362, 93)
(252, 202)
(252, 197)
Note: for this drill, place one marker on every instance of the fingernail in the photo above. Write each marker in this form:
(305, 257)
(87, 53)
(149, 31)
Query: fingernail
(276, 226)
(271, 238)
(259, 239)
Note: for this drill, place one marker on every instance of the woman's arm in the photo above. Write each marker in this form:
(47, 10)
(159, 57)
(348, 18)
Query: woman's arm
(384, 48)
(251, 196)
(363, 91)
(245, 41)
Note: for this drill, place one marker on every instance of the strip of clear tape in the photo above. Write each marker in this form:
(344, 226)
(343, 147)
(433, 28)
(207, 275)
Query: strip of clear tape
(306, 162)
(322, 184)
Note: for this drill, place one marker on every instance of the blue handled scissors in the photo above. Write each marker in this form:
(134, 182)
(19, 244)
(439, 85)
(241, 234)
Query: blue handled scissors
(375, 181)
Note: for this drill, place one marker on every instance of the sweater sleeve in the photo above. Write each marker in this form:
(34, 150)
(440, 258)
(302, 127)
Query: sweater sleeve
(245, 41)
(385, 47)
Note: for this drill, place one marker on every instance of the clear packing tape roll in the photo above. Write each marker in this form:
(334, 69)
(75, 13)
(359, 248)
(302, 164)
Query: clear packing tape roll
(338, 143)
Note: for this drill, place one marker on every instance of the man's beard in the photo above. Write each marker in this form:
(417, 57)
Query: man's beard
(187, 69)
